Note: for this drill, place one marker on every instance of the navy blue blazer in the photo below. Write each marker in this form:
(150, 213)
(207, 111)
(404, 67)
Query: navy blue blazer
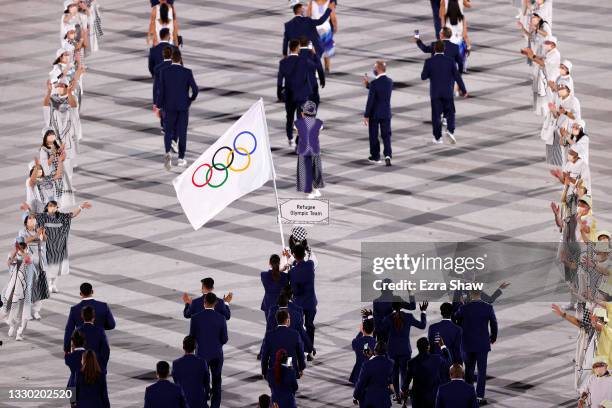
(296, 322)
(451, 50)
(191, 374)
(313, 69)
(272, 289)
(475, 318)
(73, 361)
(210, 330)
(92, 395)
(372, 388)
(383, 306)
(176, 81)
(399, 339)
(302, 278)
(164, 394)
(293, 77)
(283, 393)
(156, 55)
(282, 338)
(357, 344)
(95, 339)
(456, 394)
(427, 372)
(300, 26)
(104, 318)
(157, 79)
(442, 73)
(197, 305)
(451, 334)
(378, 105)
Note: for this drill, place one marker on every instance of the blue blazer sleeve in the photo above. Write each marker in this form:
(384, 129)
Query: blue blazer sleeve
(223, 338)
(104, 350)
(147, 401)
(104, 391)
(193, 86)
(492, 298)
(206, 376)
(162, 91)
(151, 61)
(285, 41)
(425, 72)
(70, 325)
(459, 62)
(320, 71)
(265, 356)
(187, 311)
(370, 102)
(280, 80)
(109, 324)
(192, 328)
(362, 383)
(425, 48)
(411, 305)
(300, 354)
(322, 19)
(419, 324)
(458, 79)
(493, 323)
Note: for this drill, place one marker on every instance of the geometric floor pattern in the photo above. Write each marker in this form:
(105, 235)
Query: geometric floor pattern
(137, 248)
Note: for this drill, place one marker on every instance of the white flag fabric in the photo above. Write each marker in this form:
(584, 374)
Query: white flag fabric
(239, 162)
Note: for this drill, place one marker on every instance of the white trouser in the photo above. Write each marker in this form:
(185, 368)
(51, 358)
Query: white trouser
(15, 317)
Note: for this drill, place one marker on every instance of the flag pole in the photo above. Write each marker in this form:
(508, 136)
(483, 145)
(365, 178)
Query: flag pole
(278, 209)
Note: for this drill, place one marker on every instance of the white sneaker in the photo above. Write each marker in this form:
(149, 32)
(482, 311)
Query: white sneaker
(182, 163)
(451, 137)
(174, 146)
(168, 161)
(290, 142)
(436, 141)
(19, 335)
(53, 289)
(317, 192)
(36, 316)
(444, 122)
(11, 331)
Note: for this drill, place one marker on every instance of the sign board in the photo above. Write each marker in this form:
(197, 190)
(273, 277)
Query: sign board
(304, 211)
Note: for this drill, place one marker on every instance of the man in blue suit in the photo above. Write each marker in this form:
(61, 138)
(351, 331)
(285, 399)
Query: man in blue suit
(372, 388)
(156, 52)
(167, 61)
(104, 317)
(442, 73)
(282, 337)
(313, 69)
(426, 371)
(377, 115)
(382, 307)
(449, 332)
(293, 84)
(210, 331)
(300, 26)
(302, 278)
(174, 101)
(191, 373)
(475, 318)
(296, 319)
(193, 306)
(95, 338)
(456, 393)
(163, 393)
(451, 50)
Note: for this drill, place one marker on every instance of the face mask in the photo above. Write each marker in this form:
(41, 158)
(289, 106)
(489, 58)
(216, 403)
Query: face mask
(375, 72)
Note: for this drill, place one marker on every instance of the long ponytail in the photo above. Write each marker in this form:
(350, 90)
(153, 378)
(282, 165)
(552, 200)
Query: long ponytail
(275, 265)
(163, 13)
(279, 360)
(398, 321)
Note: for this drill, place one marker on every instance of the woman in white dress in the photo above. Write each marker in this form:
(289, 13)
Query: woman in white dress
(17, 294)
(36, 238)
(456, 21)
(316, 9)
(163, 15)
(53, 161)
(60, 112)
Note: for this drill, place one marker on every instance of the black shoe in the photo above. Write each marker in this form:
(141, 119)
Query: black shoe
(388, 161)
(373, 160)
(482, 402)
(309, 357)
(314, 351)
(259, 356)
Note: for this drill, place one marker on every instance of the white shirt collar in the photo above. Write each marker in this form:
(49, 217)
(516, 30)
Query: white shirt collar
(294, 54)
(176, 63)
(381, 74)
(88, 298)
(79, 348)
(457, 379)
(447, 319)
(209, 308)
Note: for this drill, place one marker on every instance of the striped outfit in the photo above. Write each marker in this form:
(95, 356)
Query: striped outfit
(38, 251)
(57, 227)
(17, 294)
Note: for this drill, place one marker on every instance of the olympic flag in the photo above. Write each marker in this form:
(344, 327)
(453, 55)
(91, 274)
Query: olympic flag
(239, 162)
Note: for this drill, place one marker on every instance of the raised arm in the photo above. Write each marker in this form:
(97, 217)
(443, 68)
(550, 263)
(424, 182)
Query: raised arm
(175, 27)
(151, 32)
(85, 205)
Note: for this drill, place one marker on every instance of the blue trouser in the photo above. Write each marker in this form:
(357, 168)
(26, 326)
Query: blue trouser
(435, 9)
(442, 106)
(309, 316)
(472, 360)
(385, 133)
(176, 128)
(215, 365)
(400, 369)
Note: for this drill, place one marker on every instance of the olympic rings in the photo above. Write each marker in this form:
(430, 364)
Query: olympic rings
(242, 151)
(221, 183)
(207, 178)
(254, 140)
(223, 167)
(248, 162)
